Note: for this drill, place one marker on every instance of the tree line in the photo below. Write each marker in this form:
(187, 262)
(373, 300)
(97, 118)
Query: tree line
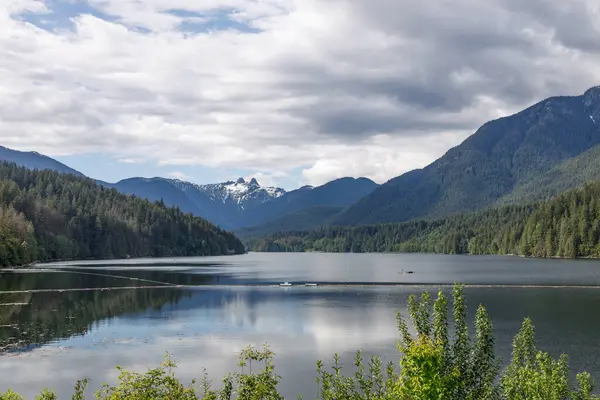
(566, 226)
(45, 215)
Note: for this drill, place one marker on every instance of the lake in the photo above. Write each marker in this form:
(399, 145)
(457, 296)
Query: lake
(66, 321)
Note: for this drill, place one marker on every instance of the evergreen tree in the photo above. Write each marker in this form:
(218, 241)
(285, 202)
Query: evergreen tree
(45, 215)
(566, 226)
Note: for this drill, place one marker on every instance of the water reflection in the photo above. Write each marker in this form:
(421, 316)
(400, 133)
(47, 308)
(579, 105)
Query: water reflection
(32, 319)
(58, 337)
(71, 278)
(208, 327)
(203, 328)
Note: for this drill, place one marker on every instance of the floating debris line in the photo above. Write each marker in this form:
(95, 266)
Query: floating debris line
(300, 285)
(104, 289)
(131, 278)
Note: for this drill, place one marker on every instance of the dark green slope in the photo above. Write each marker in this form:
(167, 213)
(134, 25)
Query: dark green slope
(572, 173)
(565, 226)
(45, 215)
(310, 218)
(490, 164)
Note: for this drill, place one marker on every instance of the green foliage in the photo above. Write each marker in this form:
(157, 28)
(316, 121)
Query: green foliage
(161, 383)
(46, 394)
(257, 385)
(371, 383)
(80, 387)
(434, 369)
(566, 226)
(10, 395)
(157, 383)
(534, 375)
(433, 366)
(572, 173)
(425, 371)
(45, 215)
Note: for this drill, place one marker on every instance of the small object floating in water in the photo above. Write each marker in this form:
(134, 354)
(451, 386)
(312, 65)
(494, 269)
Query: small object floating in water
(409, 272)
(285, 284)
(311, 284)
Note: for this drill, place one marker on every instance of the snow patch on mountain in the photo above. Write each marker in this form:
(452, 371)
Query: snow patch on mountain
(238, 192)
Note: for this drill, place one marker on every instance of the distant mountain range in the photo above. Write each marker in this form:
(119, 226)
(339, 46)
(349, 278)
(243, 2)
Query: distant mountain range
(237, 204)
(537, 153)
(232, 204)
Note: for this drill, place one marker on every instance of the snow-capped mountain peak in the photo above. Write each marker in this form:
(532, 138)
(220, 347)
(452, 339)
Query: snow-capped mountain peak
(239, 192)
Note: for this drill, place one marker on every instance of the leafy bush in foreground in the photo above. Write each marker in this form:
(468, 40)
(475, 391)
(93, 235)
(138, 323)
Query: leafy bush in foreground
(433, 366)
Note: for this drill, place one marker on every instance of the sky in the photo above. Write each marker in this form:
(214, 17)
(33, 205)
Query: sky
(291, 92)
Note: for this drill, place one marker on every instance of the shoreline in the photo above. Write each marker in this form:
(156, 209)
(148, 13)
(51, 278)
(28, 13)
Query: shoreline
(439, 254)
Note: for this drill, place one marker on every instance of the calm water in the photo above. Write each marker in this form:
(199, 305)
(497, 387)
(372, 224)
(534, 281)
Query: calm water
(205, 310)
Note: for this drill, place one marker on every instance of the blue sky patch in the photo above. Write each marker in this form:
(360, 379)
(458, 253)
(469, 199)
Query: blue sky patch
(217, 20)
(61, 14)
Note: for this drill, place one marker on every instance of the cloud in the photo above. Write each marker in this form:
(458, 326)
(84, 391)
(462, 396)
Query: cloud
(268, 179)
(330, 88)
(129, 161)
(179, 175)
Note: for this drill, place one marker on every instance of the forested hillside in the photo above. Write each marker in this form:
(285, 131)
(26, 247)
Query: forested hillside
(500, 157)
(572, 173)
(45, 215)
(310, 218)
(566, 226)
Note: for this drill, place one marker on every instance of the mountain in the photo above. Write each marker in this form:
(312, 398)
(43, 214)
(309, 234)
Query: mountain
(241, 203)
(306, 219)
(496, 160)
(341, 192)
(224, 203)
(239, 193)
(310, 208)
(231, 204)
(35, 160)
(45, 215)
(155, 189)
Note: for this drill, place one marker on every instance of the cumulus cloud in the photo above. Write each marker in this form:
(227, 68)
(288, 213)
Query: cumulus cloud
(329, 88)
